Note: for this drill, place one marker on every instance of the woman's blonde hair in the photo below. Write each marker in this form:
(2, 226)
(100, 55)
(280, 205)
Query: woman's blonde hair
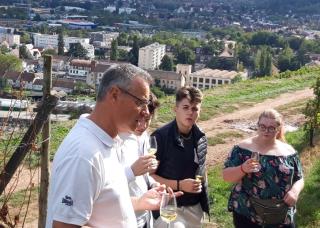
(274, 114)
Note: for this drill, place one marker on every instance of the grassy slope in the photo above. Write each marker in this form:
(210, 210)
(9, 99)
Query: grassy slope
(230, 97)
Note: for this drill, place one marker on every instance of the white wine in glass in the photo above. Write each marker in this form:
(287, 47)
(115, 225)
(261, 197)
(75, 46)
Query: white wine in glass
(152, 145)
(168, 208)
(256, 157)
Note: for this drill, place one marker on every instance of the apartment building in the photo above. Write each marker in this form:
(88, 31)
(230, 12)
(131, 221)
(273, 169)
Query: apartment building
(209, 78)
(150, 56)
(46, 40)
(7, 35)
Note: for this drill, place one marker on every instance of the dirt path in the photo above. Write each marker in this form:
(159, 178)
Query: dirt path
(246, 116)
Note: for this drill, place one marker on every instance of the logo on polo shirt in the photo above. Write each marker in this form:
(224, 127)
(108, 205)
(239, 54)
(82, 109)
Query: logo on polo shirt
(67, 200)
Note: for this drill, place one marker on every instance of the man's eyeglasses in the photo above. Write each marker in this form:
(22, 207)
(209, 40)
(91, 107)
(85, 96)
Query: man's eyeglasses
(270, 129)
(139, 102)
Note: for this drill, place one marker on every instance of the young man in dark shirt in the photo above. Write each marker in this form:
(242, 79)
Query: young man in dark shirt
(182, 149)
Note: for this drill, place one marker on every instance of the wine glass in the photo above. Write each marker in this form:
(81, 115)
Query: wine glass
(168, 208)
(152, 150)
(256, 158)
(152, 145)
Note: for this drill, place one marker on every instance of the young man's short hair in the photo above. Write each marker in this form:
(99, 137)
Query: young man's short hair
(193, 94)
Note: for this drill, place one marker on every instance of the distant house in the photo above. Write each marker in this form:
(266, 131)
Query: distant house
(79, 69)
(60, 84)
(19, 79)
(167, 79)
(209, 78)
(94, 78)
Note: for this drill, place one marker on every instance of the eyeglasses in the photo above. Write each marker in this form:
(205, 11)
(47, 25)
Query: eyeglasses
(270, 129)
(139, 102)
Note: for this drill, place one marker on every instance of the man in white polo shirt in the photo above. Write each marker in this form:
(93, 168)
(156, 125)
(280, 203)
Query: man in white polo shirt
(88, 186)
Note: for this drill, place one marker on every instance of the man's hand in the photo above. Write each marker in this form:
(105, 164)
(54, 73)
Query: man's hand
(143, 165)
(190, 185)
(151, 199)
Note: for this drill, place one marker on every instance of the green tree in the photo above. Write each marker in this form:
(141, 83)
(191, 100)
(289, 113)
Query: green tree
(114, 50)
(312, 113)
(60, 43)
(185, 56)
(76, 50)
(166, 63)
(222, 63)
(286, 60)
(10, 63)
(123, 39)
(49, 52)
(23, 54)
(4, 49)
(134, 52)
(263, 62)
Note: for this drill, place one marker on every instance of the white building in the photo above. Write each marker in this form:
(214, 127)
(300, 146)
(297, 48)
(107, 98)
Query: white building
(51, 41)
(11, 39)
(209, 78)
(150, 56)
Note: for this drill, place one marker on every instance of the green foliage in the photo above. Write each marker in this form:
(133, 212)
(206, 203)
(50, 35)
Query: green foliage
(219, 192)
(76, 50)
(185, 56)
(222, 63)
(123, 39)
(157, 92)
(49, 52)
(309, 203)
(298, 139)
(134, 52)
(4, 49)
(166, 63)
(266, 38)
(114, 50)
(312, 113)
(236, 79)
(23, 54)
(221, 137)
(263, 62)
(287, 60)
(10, 63)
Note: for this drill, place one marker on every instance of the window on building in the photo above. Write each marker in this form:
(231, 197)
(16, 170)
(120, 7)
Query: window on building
(171, 82)
(219, 82)
(200, 79)
(207, 80)
(207, 86)
(194, 79)
(194, 85)
(213, 81)
(226, 82)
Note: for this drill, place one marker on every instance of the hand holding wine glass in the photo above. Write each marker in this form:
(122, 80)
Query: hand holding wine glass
(255, 156)
(168, 208)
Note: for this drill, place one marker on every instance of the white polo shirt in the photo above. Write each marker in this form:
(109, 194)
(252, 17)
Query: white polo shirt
(88, 185)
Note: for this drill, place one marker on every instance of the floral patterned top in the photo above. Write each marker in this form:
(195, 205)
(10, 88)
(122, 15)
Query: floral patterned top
(275, 178)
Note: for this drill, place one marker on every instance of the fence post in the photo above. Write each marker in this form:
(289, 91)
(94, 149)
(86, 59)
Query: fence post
(44, 160)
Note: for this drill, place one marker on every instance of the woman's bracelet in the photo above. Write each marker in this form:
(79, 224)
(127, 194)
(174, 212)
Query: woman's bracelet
(242, 170)
(178, 185)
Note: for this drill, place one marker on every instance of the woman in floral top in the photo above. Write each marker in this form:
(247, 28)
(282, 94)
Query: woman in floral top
(279, 176)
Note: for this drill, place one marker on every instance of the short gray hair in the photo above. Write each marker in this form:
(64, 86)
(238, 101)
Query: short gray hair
(120, 75)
